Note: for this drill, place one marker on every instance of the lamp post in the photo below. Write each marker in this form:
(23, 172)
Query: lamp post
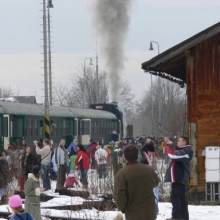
(84, 71)
(49, 5)
(46, 102)
(152, 104)
(151, 46)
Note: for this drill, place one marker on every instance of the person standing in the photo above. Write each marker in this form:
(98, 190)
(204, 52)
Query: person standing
(32, 192)
(21, 173)
(29, 161)
(82, 163)
(7, 157)
(101, 156)
(14, 160)
(73, 163)
(133, 189)
(178, 174)
(117, 158)
(151, 160)
(91, 151)
(4, 178)
(62, 161)
(45, 154)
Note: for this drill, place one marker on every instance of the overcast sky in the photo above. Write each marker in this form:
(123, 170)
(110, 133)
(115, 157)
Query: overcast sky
(166, 21)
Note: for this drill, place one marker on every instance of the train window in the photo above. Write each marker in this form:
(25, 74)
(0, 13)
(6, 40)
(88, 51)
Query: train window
(69, 128)
(104, 124)
(1, 127)
(85, 127)
(29, 128)
(76, 127)
(64, 132)
(35, 127)
(41, 124)
(5, 127)
(17, 127)
(95, 130)
(53, 127)
(59, 127)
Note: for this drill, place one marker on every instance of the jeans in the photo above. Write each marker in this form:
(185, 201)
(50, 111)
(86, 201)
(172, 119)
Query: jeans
(3, 191)
(62, 170)
(179, 201)
(46, 179)
(93, 163)
(156, 194)
(102, 170)
(83, 177)
(166, 158)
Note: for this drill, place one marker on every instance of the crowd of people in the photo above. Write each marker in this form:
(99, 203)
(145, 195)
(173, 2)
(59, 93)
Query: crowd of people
(133, 162)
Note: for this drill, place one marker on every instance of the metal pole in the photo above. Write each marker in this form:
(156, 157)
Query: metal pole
(84, 84)
(152, 105)
(46, 104)
(49, 59)
(97, 74)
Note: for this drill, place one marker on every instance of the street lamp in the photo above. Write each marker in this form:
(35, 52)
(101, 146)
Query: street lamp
(49, 5)
(152, 104)
(84, 71)
(151, 46)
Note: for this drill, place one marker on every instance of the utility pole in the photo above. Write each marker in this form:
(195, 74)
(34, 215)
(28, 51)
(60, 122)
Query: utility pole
(97, 74)
(49, 59)
(152, 101)
(46, 102)
(152, 105)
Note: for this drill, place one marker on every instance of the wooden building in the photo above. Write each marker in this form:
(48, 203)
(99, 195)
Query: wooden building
(195, 63)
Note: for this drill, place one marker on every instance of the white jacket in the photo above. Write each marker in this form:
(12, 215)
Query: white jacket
(101, 153)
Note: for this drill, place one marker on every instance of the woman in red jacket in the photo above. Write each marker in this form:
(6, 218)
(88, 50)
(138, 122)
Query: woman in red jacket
(82, 163)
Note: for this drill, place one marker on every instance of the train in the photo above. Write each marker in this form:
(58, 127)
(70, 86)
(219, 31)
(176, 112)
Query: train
(20, 121)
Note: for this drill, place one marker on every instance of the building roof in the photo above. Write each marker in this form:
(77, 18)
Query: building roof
(56, 111)
(26, 99)
(171, 64)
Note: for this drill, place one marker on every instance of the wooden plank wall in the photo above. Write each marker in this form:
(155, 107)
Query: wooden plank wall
(203, 87)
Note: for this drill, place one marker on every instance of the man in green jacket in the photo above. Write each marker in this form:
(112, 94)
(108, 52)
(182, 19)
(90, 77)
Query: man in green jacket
(133, 192)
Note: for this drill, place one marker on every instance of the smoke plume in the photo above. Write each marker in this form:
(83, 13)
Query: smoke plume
(111, 22)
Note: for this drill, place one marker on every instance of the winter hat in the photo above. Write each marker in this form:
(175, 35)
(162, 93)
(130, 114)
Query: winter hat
(15, 201)
(36, 170)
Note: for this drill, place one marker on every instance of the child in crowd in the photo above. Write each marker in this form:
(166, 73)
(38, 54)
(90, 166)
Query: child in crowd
(71, 181)
(15, 203)
(20, 174)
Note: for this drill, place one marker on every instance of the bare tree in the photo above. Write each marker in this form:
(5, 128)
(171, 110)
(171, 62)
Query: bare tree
(167, 102)
(6, 92)
(88, 85)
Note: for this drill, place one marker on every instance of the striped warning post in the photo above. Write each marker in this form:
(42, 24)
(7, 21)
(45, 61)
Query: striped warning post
(47, 126)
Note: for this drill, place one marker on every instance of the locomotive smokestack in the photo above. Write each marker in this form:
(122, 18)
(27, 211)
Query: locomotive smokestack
(111, 19)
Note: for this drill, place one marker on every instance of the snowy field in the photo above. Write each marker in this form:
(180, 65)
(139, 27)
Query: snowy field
(196, 212)
(97, 186)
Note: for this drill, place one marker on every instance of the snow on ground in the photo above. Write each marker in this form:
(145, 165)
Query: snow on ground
(195, 212)
(84, 213)
(66, 201)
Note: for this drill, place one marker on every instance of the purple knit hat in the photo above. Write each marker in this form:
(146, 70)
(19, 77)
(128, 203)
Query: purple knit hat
(15, 201)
